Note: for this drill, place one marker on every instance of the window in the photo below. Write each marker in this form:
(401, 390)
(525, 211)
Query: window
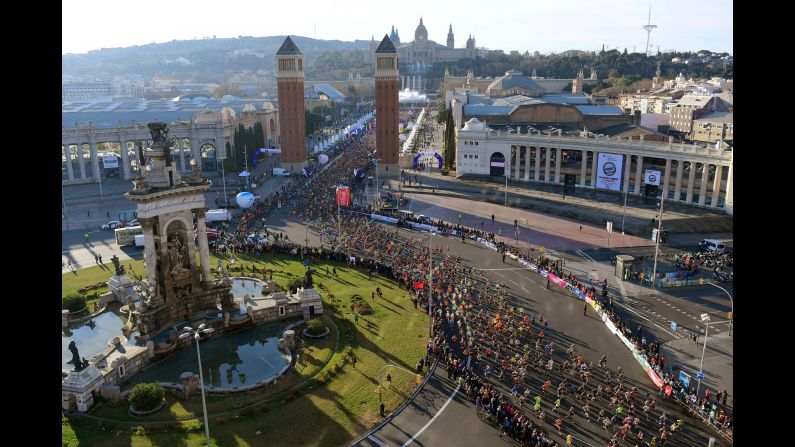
(476, 156)
(476, 143)
(121, 371)
(281, 311)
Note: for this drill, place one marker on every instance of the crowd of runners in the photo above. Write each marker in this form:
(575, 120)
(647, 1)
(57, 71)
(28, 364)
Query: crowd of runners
(526, 378)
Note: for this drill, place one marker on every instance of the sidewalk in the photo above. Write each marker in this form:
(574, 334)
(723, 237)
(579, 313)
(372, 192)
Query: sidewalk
(685, 355)
(586, 204)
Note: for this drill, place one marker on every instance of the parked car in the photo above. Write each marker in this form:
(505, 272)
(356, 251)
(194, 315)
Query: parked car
(112, 225)
(134, 223)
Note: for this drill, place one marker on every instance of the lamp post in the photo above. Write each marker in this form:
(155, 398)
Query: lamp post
(196, 335)
(731, 320)
(223, 180)
(657, 240)
(430, 287)
(506, 188)
(624, 214)
(705, 320)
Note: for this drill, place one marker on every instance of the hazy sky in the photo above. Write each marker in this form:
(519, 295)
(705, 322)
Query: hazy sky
(534, 25)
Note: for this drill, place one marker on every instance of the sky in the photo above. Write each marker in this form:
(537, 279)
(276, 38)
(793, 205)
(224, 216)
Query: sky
(533, 25)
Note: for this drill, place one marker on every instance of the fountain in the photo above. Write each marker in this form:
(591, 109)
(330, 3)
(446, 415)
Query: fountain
(176, 292)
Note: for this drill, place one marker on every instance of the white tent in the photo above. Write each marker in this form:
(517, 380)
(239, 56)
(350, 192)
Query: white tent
(244, 174)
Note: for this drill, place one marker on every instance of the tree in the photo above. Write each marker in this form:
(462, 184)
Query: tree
(449, 142)
(441, 115)
(75, 302)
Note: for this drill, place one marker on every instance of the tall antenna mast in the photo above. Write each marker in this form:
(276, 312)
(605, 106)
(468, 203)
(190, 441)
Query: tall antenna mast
(648, 27)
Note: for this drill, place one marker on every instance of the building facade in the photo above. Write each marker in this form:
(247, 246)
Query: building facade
(424, 51)
(689, 174)
(387, 109)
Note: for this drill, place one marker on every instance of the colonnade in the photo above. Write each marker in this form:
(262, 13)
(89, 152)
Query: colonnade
(523, 159)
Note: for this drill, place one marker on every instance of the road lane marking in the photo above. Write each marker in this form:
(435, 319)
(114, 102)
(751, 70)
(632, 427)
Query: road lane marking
(377, 441)
(449, 399)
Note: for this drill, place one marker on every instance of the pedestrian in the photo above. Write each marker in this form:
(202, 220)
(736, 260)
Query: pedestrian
(96, 259)
(356, 318)
(585, 309)
(85, 237)
(353, 360)
(89, 213)
(107, 214)
(547, 276)
(580, 228)
(69, 264)
(100, 259)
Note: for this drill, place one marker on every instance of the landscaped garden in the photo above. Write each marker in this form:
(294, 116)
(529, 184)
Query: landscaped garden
(323, 401)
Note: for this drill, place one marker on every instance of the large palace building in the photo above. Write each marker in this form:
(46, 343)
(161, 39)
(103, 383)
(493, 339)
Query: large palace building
(425, 51)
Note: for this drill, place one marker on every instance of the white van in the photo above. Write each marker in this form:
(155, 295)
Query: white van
(280, 172)
(713, 245)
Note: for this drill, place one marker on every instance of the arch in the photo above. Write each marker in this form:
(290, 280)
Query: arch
(181, 219)
(497, 164)
(209, 155)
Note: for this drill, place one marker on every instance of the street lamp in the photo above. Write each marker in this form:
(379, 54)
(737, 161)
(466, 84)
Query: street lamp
(657, 240)
(624, 213)
(506, 188)
(196, 335)
(705, 320)
(430, 286)
(731, 320)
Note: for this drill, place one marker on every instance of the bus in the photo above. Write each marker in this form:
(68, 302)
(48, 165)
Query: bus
(126, 236)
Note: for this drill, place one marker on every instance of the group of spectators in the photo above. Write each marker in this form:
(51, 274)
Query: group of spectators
(504, 356)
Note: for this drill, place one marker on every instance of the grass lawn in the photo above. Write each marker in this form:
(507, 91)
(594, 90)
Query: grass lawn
(321, 414)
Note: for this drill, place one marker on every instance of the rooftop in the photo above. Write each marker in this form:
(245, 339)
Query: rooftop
(386, 46)
(288, 48)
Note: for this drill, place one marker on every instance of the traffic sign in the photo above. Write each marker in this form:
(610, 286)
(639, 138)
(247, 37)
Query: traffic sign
(700, 376)
(673, 325)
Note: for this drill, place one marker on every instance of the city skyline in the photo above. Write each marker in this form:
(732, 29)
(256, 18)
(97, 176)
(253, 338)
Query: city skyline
(575, 24)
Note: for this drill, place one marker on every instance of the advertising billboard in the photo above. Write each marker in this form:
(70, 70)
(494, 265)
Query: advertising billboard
(609, 171)
(110, 161)
(651, 177)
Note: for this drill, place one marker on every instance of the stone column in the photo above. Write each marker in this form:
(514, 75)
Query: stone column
(547, 154)
(80, 161)
(204, 249)
(638, 174)
(666, 177)
(150, 257)
(518, 159)
(194, 148)
(627, 171)
(508, 161)
(691, 182)
(583, 168)
(594, 169)
(537, 168)
(69, 169)
(181, 146)
(716, 185)
(92, 147)
(526, 163)
(680, 166)
(702, 193)
(558, 160)
(125, 156)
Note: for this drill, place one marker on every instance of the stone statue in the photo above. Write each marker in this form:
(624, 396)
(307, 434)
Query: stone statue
(79, 364)
(117, 265)
(308, 280)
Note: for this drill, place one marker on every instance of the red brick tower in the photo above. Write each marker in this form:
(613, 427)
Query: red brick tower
(387, 108)
(292, 121)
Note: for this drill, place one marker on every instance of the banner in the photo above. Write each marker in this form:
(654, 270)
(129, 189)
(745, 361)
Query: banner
(110, 161)
(343, 196)
(418, 285)
(651, 177)
(383, 218)
(609, 171)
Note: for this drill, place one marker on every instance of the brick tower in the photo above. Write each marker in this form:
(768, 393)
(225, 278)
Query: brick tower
(292, 121)
(386, 108)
